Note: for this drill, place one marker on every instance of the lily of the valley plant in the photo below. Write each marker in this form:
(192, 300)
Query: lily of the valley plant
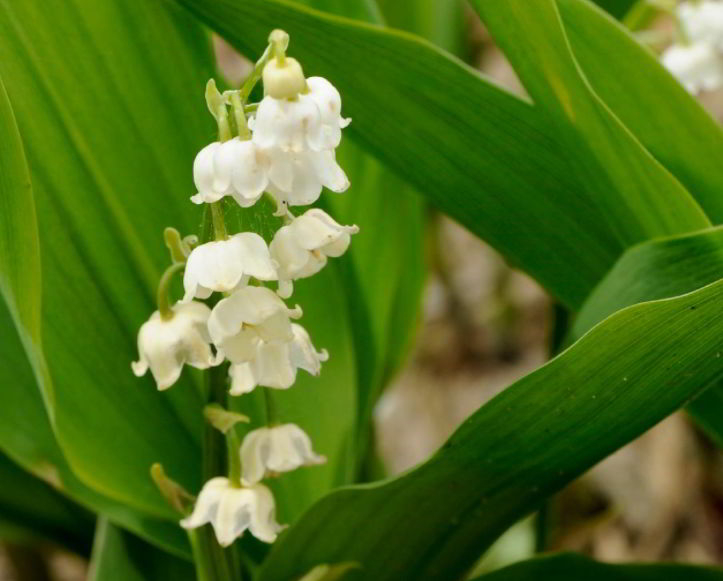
(282, 147)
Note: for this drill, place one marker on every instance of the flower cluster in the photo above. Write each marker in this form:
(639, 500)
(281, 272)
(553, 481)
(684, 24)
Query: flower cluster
(696, 60)
(284, 148)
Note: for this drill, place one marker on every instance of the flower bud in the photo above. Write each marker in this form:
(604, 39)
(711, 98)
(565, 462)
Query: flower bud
(283, 80)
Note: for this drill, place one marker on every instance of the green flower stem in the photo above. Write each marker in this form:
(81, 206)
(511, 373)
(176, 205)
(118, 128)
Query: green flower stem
(219, 225)
(272, 413)
(213, 562)
(256, 74)
(233, 443)
(240, 116)
(164, 305)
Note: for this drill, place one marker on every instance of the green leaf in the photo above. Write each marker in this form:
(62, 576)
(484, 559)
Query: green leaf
(19, 244)
(119, 556)
(25, 432)
(642, 95)
(439, 21)
(573, 567)
(480, 154)
(364, 10)
(655, 270)
(617, 381)
(632, 189)
(618, 8)
(32, 506)
(26, 436)
(101, 225)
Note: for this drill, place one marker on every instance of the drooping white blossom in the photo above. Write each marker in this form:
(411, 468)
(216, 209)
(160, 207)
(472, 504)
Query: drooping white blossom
(311, 121)
(298, 178)
(697, 61)
(702, 21)
(302, 247)
(164, 346)
(274, 364)
(231, 510)
(234, 168)
(328, 100)
(276, 449)
(250, 314)
(288, 125)
(223, 265)
(697, 66)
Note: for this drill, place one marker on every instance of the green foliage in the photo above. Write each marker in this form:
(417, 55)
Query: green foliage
(119, 556)
(571, 567)
(31, 510)
(621, 378)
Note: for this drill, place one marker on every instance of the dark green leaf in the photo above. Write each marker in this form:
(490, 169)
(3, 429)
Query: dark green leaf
(119, 556)
(667, 120)
(618, 8)
(33, 506)
(655, 270)
(632, 190)
(622, 377)
(572, 567)
(26, 436)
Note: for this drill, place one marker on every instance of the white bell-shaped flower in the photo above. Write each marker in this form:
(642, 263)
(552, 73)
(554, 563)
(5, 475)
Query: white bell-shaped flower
(301, 248)
(697, 66)
(288, 125)
(274, 364)
(211, 183)
(328, 100)
(164, 346)
(223, 265)
(277, 449)
(297, 178)
(231, 510)
(236, 168)
(702, 21)
(252, 313)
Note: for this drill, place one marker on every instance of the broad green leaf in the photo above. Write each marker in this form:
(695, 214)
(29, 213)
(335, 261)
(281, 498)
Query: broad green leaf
(655, 270)
(364, 10)
(119, 556)
(33, 506)
(480, 154)
(632, 189)
(25, 432)
(26, 437)
(618, 380)
(439, 21)
(668, 121)
(103, 192)
(618, 8)
(19, 245)
(573, 567)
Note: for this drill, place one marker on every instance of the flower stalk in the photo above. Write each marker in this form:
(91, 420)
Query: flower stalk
(287, 153)
(164, 304)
